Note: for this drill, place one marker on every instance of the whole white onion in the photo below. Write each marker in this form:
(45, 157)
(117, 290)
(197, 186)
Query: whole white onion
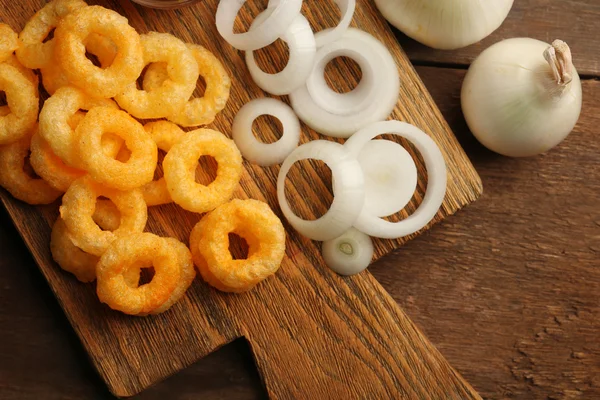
(522, 97)
(445, 24)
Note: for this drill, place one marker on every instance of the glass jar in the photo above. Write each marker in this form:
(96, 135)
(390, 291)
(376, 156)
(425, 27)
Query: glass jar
(165, 4)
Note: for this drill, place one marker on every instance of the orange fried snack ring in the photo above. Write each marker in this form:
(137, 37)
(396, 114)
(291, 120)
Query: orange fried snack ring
(175, 90)
(70, 38)
(188, 273)
(253, 221)
(139, 168)
(165, 135)
(136, 250)
(55, 117)
(70, 257)
(102, 47)
(23, 102)
(79, 203)
(50, 167)
(28, 73)
(197, 111)
(14, 178)
(200, 262)
(9, 42)
(33, 51)
(179, 170)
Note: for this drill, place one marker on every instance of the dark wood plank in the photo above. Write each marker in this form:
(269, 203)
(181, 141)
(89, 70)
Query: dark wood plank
(311, 332)
(509, 289)
(575, 21)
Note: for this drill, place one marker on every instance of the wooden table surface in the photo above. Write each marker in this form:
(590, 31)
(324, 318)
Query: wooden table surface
(508, 289)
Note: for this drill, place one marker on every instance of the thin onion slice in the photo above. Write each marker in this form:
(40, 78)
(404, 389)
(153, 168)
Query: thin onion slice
(274, 26)
(348, 186)
(343, 103)
(372, 101)
(347, 8)
(255, 151)
(349, 254)
(301, 42)
(390, 177)
(436, 180)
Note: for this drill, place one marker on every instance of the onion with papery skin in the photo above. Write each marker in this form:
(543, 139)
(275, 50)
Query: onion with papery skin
(522, 97)
(445, 24)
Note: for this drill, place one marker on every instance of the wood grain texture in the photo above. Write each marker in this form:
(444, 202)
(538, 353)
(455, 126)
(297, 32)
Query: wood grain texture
(574, 21)
(509, 289)
(312, 333)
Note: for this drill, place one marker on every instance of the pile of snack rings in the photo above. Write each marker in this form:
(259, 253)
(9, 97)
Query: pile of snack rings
(89, 148)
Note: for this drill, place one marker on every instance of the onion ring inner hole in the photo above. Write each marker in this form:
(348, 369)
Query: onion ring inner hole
(146, 276)
(309, 179)
(343, 74)
(273, 58)
(247, 13)
(238, 247)
(271, 135)
(50, 36)
(206, 170)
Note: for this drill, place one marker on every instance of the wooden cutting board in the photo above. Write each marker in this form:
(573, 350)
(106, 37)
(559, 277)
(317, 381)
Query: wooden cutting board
(314, 334)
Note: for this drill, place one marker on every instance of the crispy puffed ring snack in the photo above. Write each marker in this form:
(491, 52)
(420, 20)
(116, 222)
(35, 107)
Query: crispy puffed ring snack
(137, 170)
(175, 90)
(14, 178)
(70, 36)
(70, 257)
(188, 273)
(28, 73)
(165, 135)
(200, 262)
(50, 167)
(9, 42)
(23, 102)
(33, 51)
(77, 209)
(168, 258)
(253, 221)
(55, 117)
(180, 164)
(202, 110)
(100, 46)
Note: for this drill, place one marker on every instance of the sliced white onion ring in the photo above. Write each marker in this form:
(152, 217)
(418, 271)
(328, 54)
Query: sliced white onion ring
(302, 47)
(284, 13)
(342, 103)
(348, 186)
(350, 253)
(381, 100)
(347, 9)
(255, 151)
(390, 177)
(436, 180)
